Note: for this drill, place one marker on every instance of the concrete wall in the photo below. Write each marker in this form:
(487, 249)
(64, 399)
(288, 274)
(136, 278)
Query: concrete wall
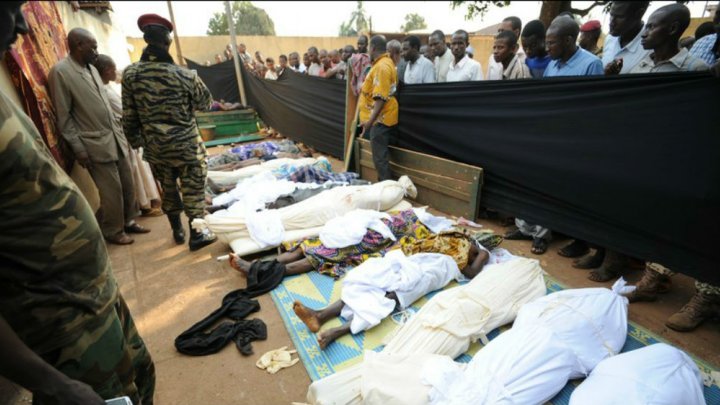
(201, 49)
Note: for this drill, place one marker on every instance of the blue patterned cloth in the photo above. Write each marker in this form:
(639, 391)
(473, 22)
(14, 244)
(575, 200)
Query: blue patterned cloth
(284, 171)
(311, 174)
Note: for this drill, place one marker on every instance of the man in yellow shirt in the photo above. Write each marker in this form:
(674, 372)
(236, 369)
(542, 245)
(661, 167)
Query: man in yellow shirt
(378, 106)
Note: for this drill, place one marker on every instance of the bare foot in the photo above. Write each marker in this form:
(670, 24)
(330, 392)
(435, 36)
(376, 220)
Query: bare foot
(326, 337)
(307, 315)
(323, 339)
(239, 264)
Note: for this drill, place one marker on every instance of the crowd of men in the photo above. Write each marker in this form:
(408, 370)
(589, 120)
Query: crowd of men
(66, 332)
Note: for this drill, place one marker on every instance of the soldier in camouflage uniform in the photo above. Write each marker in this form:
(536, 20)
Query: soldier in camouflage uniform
(705, 304)
(65, 331)
(159, 101)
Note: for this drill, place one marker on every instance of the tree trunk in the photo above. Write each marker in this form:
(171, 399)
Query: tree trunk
(551, 9)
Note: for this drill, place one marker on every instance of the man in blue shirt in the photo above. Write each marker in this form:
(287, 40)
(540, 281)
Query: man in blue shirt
(707, 48)
(533, 43)
(567, 58)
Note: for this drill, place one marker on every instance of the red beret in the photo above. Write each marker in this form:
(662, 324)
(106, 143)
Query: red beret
(153, 19)
(592, 25)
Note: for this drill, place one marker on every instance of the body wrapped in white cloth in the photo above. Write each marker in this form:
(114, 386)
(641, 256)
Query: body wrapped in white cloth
(658, 374)
(315, 211)
(449, 322)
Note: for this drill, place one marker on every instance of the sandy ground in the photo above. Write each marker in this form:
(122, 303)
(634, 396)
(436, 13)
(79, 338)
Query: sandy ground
(169, 288)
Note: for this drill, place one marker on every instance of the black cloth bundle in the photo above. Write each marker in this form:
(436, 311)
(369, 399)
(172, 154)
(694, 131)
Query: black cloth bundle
(236, 305)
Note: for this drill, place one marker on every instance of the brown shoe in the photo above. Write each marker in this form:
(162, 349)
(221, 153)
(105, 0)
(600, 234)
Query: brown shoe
(650, 285)
(701, 307)
(120, 239)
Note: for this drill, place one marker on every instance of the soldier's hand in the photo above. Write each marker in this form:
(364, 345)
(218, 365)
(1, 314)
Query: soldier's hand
(73, 392)
(83, 160)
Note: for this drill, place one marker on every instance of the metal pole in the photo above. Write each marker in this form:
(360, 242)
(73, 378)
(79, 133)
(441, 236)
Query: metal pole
(175, 34)
(236, 57)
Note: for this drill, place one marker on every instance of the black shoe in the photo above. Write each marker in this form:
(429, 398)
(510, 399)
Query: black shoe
(177, 228)
(199, 240)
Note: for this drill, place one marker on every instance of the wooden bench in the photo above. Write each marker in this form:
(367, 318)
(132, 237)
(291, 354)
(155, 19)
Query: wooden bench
(443, 184)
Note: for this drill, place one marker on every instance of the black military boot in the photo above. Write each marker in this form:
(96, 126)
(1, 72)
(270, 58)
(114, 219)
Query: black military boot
(177, 228)
(199, 240)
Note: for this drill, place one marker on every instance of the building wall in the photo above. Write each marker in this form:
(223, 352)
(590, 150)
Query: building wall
(201, 49)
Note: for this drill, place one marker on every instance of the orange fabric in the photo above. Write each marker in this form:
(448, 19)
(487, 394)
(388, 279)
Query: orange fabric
(381, 82)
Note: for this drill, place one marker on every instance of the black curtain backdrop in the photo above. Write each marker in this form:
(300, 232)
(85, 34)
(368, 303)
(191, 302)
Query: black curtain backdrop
(631, 162)
(306, 109)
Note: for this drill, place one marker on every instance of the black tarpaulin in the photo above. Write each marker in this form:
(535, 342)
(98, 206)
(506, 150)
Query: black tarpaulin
(631, 163)
(304, 108)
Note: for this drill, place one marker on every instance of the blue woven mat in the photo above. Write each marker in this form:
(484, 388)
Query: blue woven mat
(317, 291)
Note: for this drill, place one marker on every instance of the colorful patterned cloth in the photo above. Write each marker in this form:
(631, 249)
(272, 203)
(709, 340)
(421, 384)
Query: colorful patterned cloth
(311, 174)
(285, 171)
(452, 243)
(405, 225)
(30, 61)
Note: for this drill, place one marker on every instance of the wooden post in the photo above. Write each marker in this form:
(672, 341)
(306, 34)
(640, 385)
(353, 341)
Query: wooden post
(181, 60)
(236, 56)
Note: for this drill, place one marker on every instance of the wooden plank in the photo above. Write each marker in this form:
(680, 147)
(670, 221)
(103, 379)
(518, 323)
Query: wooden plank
(441, 183)
(427, 181)
(459, 185)
(429, 163)
(429, 196)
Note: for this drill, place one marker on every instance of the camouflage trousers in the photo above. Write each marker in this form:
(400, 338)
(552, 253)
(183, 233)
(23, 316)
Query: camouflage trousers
(183, 188)
(111, 358)
(704, 288)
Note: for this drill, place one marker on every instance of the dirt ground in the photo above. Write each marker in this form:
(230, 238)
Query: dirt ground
(169, 288)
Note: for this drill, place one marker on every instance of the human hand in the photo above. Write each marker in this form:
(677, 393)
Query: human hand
(83, 160)
(365, 128)
(614, 67)
(73, 392)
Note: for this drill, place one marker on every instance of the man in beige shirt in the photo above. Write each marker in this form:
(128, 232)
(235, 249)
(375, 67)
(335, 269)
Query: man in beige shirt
(86, 121)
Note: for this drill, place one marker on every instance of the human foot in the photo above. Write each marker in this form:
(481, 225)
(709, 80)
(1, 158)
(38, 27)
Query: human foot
(239, 264)
(328, 336)
(308, 316)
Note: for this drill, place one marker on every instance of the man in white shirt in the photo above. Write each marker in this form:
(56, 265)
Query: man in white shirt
(462, 69)
(495, 69)
(315, 67)
(295, 64)
(443, 56)
(419, 69)
(622, 50)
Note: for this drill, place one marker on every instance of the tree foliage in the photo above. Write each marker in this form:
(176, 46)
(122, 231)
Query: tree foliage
(548, 11)
(248, 20)
(413, 21)
(358, 22)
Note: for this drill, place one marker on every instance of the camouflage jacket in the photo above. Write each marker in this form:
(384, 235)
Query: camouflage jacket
(55, 276)
(159, 100)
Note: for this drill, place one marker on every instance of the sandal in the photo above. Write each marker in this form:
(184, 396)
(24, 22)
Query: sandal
(539, 246)
(517, 235)
(576, 248)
